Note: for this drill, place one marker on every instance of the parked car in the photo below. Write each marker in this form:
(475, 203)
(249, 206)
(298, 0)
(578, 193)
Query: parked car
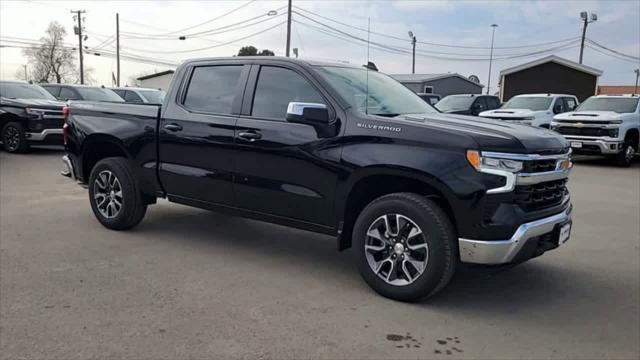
(603, 125)
(303, 144)
(467, 104)
(431, 99)
(140, 95)
(533, 109)
(66, 92)
(28, 116)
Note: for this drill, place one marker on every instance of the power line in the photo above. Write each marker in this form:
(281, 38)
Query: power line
(610, 54)
(262, 31)
(214, 19)
(435, 44)
(611, 50)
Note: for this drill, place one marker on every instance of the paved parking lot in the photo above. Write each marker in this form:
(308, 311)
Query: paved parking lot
(190, 284)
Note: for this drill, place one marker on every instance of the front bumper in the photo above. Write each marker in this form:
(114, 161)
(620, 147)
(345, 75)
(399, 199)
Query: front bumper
(595, 146)
(48, 136)
(529, 240)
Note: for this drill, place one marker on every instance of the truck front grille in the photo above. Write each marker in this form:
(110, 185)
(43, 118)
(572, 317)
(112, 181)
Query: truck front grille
(538, 166)
(587, 131)
(542, 195)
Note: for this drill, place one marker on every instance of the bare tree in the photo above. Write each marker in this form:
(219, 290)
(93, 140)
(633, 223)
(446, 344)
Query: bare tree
(52, 61)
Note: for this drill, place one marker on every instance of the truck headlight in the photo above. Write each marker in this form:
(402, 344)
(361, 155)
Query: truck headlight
(613, 133)
(481, 163)
(35, 113)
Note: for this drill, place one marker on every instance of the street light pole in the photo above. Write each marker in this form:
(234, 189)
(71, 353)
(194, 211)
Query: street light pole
(117, 49)
(637, 71)
(413, 42)
(493, 34)
(585, 18)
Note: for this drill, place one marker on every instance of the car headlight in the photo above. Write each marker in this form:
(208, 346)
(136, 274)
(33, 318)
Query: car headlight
(613, 133)
(483, 163)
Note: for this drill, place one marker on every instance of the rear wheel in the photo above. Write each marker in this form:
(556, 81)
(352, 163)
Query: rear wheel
(405, 246)
(114, 194)
(13, 138)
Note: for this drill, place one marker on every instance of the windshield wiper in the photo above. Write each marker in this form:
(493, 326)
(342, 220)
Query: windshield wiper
(387, 114)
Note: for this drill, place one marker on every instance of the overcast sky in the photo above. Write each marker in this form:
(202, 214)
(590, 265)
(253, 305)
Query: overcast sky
(460, 24)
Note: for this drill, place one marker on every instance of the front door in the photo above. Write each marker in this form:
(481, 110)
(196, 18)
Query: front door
(197, 134)
(283, 169)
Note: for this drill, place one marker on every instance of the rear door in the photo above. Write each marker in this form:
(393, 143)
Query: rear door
(197, 132)
(284, 169)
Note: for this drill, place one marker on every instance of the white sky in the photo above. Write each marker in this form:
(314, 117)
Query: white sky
(454, 23)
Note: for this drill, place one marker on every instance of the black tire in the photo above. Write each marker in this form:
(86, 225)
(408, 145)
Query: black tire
(13, 138)
(622, 158)
(440, 239)
(132, 208)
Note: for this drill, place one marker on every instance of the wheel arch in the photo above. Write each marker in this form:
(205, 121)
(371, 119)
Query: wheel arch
(97, 147)
(373, 182)
(634, 135)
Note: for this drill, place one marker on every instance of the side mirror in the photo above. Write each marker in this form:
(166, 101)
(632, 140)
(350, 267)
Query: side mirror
(477, 108)
(314, 114)
(557, 109)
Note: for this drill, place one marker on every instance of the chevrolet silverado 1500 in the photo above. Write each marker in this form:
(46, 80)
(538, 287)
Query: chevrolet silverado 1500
(336, 149)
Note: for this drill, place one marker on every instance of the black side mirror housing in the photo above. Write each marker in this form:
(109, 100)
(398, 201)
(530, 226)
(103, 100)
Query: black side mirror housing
(313, 114)
(557, 109)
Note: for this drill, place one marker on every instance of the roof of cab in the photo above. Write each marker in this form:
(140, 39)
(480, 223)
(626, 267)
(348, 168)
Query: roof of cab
(309, 62)
(133, 88)
(543, 95)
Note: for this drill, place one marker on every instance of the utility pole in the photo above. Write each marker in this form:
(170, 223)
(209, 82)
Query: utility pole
(587, 19)
(413, 42)
(288, 28)
(26, 77)
(637, 71)
(493, 34)
(80, 49)
(117, 49)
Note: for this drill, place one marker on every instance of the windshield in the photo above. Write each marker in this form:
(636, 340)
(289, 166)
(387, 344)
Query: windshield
(24, 91)
(449, 103)
(153, 96)
(387, 97)
(528, 102)
(619, 105)
(98, 94)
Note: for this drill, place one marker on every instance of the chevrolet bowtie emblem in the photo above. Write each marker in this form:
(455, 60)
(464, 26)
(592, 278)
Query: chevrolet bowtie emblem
(579, 124)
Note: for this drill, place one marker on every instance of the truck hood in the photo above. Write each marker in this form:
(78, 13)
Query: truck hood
(492, 135)
(586, 116)
(507, 113)
(39, 103)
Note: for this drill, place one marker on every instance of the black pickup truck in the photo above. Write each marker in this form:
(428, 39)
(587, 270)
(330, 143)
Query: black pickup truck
(29, 115)
(335, 149)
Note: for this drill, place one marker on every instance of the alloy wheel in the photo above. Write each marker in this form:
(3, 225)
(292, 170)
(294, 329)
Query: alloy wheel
(11, 138)
(629, 153)
(396, 249)
(107, 193)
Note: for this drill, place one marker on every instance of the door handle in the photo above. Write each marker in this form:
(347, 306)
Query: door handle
(173, 127)
(249, 135)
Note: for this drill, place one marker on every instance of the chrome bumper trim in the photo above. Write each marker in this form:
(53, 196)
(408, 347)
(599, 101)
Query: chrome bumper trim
(70, 171)
(504, 251)
(32, 136)
(603, 145)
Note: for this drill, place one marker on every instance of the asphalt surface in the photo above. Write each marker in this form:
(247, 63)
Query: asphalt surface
(190, 284)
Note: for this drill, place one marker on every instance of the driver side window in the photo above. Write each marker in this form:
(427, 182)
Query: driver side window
(68, 94)
(276, 88)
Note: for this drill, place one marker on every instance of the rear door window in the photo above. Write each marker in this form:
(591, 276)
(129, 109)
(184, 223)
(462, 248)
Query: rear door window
(130, 96)
(213, 88)
(68, 94)
(119, 92)
(53, 90)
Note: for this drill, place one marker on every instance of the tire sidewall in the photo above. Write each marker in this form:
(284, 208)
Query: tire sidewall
(129, 193)
(22, 144)
(621, 158)
(435, 236)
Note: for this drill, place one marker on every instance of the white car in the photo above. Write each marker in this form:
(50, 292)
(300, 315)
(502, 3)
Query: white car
(603, 125)
(533, 109)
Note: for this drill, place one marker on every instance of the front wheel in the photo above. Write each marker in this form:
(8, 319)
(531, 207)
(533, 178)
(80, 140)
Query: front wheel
(13, 138)
(624, 157)
(114, 194)
(405, 246)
